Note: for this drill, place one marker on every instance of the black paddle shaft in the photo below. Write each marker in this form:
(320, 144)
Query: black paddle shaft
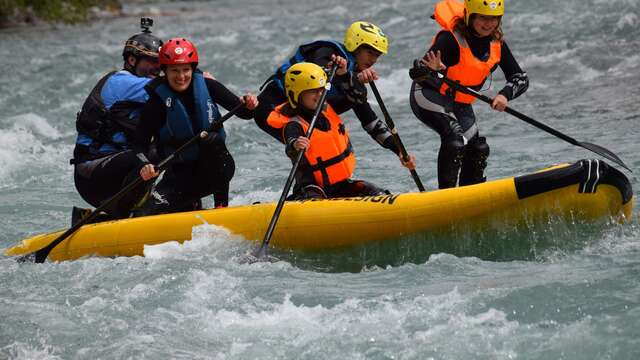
(262, 251)
(395, 135)
(41, 255)
(589, 146)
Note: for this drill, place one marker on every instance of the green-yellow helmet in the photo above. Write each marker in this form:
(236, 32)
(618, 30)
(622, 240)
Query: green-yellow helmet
(483, 7)
(300, 77)
(362, 32)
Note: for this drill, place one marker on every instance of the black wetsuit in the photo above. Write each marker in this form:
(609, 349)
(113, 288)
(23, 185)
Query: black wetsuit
(184, 183)
(456, 122)
(352, 95)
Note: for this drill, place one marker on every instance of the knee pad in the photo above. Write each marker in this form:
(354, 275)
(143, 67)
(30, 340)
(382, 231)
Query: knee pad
(478, 148)
(452, 149)
(313, 192)
(474, 162)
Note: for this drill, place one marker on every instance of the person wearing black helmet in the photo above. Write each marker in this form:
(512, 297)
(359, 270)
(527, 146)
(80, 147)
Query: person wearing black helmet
(103, 159)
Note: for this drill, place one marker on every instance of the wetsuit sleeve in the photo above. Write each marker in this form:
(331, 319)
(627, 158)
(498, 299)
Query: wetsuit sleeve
(152, 118)
(226, 98)
(349, 85)
(448, 47)
(377, 129)
(517, 80)
(292, 131)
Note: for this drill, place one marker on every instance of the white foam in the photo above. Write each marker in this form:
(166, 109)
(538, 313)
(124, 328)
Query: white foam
(394, 86)
(26, 145)
(19, 351)
(206, 240)
(629, 20)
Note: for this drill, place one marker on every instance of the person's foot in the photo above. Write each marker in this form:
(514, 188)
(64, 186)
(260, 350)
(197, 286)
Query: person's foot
(78, 214)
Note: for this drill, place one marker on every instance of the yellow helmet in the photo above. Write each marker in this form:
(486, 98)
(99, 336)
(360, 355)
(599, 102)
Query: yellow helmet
(300, 77)
(483, 7)
(362, 32)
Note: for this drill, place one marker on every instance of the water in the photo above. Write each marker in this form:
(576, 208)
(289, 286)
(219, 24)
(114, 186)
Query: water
(568, 291)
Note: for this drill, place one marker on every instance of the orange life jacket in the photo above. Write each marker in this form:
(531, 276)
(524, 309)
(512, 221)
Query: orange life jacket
(469, 71)
(330, 154)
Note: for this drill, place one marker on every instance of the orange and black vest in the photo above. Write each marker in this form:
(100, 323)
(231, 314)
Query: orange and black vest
(330, 155)
(469, 71)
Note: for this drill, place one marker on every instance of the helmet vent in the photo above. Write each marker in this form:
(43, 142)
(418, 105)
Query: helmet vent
(296, 72)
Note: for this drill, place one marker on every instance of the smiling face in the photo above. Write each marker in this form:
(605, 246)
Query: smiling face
(485, 25)
(366, 57)
(179, 76)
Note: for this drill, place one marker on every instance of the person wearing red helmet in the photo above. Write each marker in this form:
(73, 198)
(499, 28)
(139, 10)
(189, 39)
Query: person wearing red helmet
(103, 159)
(182, 103)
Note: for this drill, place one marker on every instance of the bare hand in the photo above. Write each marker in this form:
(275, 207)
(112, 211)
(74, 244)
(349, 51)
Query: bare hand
(499, 103)
(250, 101)
(207, 75)
(367, 75)
(301, 143)
(148, 172)
(411, 164)
(434, 61)
(342, 64)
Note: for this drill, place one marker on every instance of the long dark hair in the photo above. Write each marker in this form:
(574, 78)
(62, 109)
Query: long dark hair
(467, 30)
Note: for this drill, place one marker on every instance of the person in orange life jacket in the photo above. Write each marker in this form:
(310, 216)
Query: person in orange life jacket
(327, 166)
(103, 159)
(183, 103)
(363, 44)
(468, 49)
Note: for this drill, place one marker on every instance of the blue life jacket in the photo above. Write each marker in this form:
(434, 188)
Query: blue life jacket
(299, 57)
(179, 127)
(109, 114)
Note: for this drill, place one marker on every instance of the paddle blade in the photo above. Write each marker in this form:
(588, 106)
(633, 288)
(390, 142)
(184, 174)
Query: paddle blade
(604, 153)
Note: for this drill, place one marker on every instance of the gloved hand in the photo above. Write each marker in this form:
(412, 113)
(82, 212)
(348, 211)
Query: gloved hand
(420, 72)
(354, 90)
(211, 138)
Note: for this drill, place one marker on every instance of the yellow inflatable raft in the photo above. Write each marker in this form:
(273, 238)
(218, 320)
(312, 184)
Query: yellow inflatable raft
(587, 190)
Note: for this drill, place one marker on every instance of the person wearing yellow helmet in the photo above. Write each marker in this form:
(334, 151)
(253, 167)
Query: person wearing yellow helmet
(363, 44)
(328, 162)
(468, 48)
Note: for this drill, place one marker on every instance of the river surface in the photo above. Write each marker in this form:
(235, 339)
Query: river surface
(567, 291)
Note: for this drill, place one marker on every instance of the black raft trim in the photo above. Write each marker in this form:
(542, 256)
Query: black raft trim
(587, 173)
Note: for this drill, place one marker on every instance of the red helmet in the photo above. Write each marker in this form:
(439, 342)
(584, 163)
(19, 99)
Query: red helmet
(178, 51)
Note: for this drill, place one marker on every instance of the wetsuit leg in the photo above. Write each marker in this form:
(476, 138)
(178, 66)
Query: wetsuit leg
(99, 180)
(351, 188)
(434, 110)
(474, 161)
(215, 168)
(268, 99)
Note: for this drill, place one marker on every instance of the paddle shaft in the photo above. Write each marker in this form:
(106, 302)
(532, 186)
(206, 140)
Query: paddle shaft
(276, 214)
(396, 138)
(591, 147)
(41, 255)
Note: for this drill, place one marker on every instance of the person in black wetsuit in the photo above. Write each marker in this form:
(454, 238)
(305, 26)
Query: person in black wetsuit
(468, 49)
(363, 44)
(182, 104)
(103, 160)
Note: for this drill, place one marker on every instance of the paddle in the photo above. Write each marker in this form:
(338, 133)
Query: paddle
(41, 255)
(262, 251)
(394, 133)
(589, 146)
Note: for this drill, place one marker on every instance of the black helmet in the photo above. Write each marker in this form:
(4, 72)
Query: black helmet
(142, 44)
